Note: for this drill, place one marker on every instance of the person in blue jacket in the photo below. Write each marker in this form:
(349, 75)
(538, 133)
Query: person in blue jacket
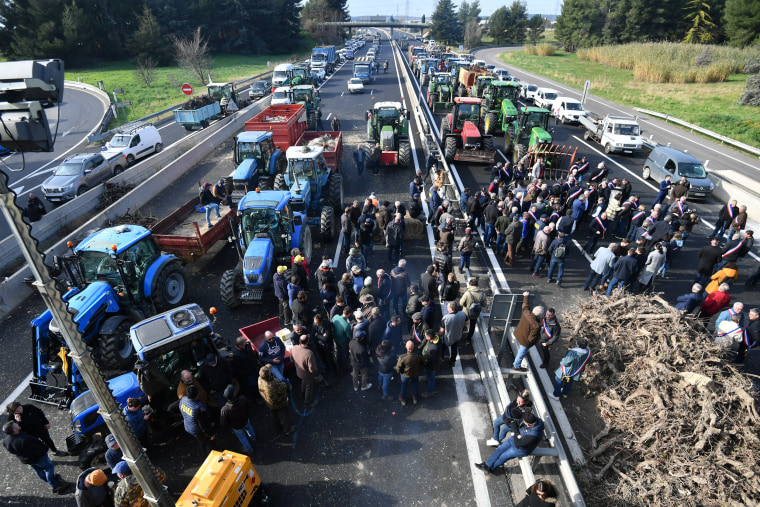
(524, 441)
(570, 369)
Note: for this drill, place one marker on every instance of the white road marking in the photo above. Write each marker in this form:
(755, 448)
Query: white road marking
(67, 133)
(17, 392)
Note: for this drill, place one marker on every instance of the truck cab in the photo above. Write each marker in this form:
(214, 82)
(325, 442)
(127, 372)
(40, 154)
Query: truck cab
(363, 69)
(282, 73)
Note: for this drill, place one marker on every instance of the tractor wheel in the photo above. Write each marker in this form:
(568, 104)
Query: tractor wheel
(115, 351)
(450, 149)
(265, 183)
(432, 98)
(445, 126)
(327, 224)
(371, 158)
(508, 145)
(170, 287)
(335, 191)
(404, 154)
(490, 124)
(311, 123)
(231, 288)
(519, 153)
(488, 143)
(280, 183)
(304, 241)
(280, 163)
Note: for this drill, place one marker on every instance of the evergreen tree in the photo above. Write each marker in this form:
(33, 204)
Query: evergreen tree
(742, 22)
(517, 22)
(579, 24)
(702, 29)
(146, 41)
(444, 25)
(536, 28)
(497, 25)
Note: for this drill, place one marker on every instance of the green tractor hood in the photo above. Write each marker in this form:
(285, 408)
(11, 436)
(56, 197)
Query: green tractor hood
(539, 136)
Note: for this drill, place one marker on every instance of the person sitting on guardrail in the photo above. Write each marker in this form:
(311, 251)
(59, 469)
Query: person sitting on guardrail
(521, 405)
(521, 444)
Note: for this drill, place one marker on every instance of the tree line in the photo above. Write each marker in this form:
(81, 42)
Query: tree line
(585, 23)
(86, 31)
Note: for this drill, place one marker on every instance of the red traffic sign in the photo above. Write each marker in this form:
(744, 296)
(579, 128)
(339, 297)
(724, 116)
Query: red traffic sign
(187, 89)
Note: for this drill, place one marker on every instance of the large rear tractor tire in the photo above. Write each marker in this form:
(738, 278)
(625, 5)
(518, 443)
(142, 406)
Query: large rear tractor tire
(371, 158)
(115, 351)
(488, 144)
(311, 123)
(335, 191)
(170, 287)
(445, 127)
(450, 148)
(519, 153)
(327, 224)
(231, 288)
(280, 183)
(490, 123)
(432, 98)
(404, 154)
(265, 183)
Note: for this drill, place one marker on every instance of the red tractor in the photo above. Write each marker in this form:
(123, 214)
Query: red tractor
(461, 133)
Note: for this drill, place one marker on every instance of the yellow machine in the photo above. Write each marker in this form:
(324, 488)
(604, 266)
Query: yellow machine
(225, 479)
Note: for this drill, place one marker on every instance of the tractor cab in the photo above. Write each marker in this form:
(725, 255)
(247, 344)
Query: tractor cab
(226, 95)
(465, 109)
(306, 177)
(256, 160)
(306, 95)
(534, 126)
(481, 83)
(442, 78)
(301, 76)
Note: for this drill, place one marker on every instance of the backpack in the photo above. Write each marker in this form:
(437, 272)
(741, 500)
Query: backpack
(473, 312)
(559, 252)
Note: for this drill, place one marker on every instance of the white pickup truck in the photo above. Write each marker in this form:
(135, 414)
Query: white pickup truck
(545, 98)
(615, 133)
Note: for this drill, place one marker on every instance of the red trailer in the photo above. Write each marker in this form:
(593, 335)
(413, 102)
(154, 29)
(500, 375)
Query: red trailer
(333, 147)
(255, 335)
(184, 232)
(287, 122)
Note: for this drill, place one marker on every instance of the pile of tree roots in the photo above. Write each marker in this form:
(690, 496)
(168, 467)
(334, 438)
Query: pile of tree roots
(681, 423)
(327, 141)
(197, 103)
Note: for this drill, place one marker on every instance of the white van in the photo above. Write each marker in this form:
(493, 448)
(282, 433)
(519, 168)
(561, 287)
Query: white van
(568, 110)
(281, 73)
(134, 142)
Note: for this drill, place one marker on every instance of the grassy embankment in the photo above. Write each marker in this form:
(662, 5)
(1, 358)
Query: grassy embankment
(165, 90)
(620, 77)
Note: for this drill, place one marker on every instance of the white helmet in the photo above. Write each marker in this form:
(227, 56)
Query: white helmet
(600, 166)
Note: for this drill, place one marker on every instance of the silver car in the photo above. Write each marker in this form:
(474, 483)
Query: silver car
(79, 173)
(664, 161)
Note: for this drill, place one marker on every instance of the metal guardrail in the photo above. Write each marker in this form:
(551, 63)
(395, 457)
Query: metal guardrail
(723, 139)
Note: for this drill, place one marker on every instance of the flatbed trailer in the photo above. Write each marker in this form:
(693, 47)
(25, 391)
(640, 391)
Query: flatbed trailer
(333, 151)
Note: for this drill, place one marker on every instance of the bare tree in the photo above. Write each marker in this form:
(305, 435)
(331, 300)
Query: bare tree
(145, 69)
(314, 15)
(473, 33)
(193, 54)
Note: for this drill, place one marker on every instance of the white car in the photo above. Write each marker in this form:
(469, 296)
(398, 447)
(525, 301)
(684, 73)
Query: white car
(529, 92)
(281, 95)
(545, 98)
(318, 74)
(355, 85)
(568, 110)
(502, 74)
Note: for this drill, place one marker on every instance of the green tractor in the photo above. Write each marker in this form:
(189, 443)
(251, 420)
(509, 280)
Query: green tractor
(441, 93)
(481, 83)
(499, 99)
(527, 132)
(301, 76)
(309, 97)
(230, 100)
(388, 126)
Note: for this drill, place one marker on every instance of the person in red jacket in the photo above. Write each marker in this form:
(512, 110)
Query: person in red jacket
(715, 302)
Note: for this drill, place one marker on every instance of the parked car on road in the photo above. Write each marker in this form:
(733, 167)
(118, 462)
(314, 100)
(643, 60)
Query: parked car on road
(355, 85)
(545, 98)
(529, 92)
(260, 89)
(134, 142)
(664, 161)
(79, 173)
(281, 95)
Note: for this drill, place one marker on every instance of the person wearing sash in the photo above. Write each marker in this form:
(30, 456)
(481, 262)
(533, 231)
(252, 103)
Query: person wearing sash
(570, 369)
(751, 336)
(550, 331)
(597, 231)
(729, 333)
(725, 217)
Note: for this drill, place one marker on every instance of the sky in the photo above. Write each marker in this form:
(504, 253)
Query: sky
(419, 7)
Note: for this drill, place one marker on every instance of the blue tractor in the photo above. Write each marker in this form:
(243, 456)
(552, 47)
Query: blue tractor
(118, 276)
(316, 188)
(165, 345)
(257, 162)
(267, 229)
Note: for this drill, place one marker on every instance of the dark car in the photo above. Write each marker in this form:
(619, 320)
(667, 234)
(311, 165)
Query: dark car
(260, 89)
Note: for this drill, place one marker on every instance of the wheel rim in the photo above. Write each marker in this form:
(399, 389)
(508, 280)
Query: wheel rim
(159, 147)
(125, 345)
(130, 159)
(174, 288)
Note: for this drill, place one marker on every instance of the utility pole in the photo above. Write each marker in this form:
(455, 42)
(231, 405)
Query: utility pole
(134, 454)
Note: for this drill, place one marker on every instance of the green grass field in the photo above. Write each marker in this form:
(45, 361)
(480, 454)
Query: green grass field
(166, 91)
(711, 105)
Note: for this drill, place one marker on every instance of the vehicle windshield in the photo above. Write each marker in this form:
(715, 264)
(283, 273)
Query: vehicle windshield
(469, 111)
(258, 221)
(217, 92)
(301, 95)
(280, 74)
(537, 119)
(532, 88)
(249, 151)
(387, 113)
(302, 168)
(627, 129)
(573, 106)
(319, 57)
(186, 357)
(361, 68)
(444, 79)
(299, 72)
(101, 266)
(280, 94)
(259, 85)
(692, 170)
(550, 96)
(355, 80)
(119, 141)
(69, 170)
(506, 92)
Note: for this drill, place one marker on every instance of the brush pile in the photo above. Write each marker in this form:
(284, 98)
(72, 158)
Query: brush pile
(681, 422)
(197, 103)
(326, 140)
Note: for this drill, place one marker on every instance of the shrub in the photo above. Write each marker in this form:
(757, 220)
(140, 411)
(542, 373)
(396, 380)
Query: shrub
(530, 49)
(545, 49)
